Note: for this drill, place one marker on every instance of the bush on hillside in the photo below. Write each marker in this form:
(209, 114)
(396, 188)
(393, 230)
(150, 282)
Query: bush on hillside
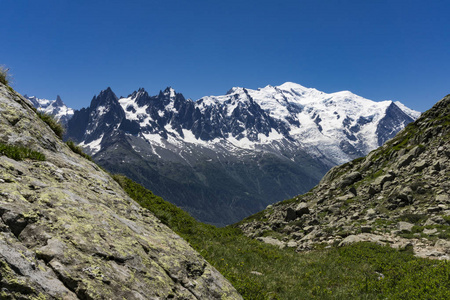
(4, 75)
(78, 150)
(57, 128)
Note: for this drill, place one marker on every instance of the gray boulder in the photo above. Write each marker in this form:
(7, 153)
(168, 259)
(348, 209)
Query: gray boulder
(350, 179)
(302, 209)
(405, 226)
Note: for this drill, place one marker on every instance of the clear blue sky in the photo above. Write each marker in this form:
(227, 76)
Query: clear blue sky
(398, 50)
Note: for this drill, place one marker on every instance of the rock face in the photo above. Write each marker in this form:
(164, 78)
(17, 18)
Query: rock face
(397, 195)
(68, 231)
(222, 158)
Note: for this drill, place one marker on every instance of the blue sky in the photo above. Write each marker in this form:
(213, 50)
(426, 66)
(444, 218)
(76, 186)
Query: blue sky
(398, 50)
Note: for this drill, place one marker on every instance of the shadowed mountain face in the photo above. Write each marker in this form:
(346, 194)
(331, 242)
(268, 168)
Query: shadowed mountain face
(68, 231)
(397, 195)
(223, 158)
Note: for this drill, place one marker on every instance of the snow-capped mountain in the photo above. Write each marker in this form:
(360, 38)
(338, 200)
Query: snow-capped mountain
(224, 157)
(56, 108)
(339, 126)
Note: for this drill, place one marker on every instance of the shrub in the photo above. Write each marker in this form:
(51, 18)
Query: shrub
(20, 153)
(57, 128)
(413, 218)
(4, 75)
(78, 150)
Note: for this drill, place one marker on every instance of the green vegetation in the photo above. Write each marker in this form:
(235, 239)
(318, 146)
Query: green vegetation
(20, 153)
(413, 218)
(4, 75)
(78, 150)
(57, 128)
(261, 271)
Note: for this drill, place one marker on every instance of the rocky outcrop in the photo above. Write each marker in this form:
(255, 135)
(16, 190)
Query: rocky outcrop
(68, 231)
(398, 195)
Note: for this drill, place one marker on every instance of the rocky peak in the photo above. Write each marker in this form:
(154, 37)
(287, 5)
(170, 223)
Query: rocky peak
(58, 101)
(104, 98)
(398, 195)
(68, 231)
(394, 118)
(233, 90)
(141, 97)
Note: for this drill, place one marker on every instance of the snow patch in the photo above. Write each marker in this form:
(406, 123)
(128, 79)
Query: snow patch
(94, 146)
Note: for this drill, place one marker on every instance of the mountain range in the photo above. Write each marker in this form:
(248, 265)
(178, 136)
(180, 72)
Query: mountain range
(222, 158)
(56, 108)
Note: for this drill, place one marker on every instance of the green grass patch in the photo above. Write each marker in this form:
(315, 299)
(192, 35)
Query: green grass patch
(261, 271)
(20, 153)
(57, 128)
(78, 150)
(413, 218)
(447, 219)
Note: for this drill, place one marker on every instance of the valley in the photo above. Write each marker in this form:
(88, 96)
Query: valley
(223, 158)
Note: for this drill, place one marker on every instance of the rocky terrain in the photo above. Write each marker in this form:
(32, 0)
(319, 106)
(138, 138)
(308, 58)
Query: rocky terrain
(68, 231)
(398, 195)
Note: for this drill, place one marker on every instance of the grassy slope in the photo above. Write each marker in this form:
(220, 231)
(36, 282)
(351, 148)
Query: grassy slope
(20, 153)
(352, 272)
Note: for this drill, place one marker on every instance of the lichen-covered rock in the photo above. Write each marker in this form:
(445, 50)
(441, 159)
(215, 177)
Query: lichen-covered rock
(350, 179)
(405, 226)
(302, 209)
(68, 231)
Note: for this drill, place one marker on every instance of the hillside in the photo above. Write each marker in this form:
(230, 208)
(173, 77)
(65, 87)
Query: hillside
(68, 231)
(398, 195)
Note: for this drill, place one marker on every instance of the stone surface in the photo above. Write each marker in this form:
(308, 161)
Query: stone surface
(405, 226)
(444, 245)
(272, 241)
(290, 215)
(302, 209)
(363, 237)
(351, 178)
(68, 231)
